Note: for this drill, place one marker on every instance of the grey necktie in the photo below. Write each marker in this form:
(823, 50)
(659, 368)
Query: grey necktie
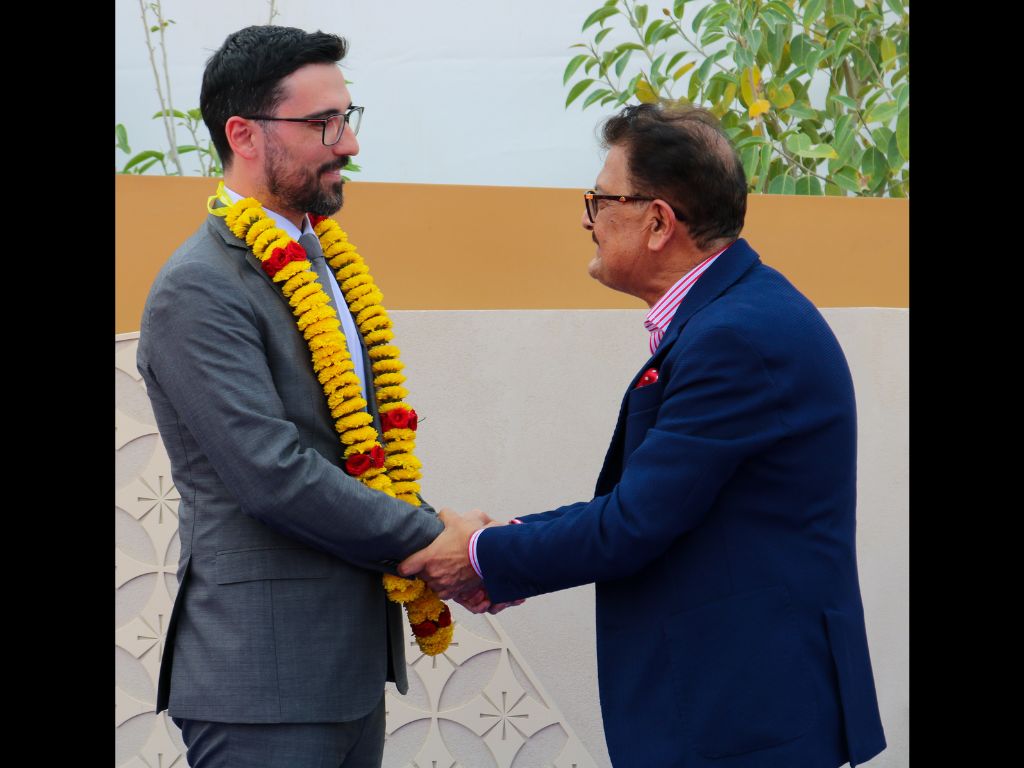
(315, 254)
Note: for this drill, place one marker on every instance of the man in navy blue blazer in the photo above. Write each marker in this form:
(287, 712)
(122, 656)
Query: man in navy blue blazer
(721, 535)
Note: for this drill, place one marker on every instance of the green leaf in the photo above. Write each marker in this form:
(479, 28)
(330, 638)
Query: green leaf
(846, 178)
(573, 65)
(799, 47)
(599, 16)
(750, 141)
(780, 97)
(833, 190)
(764, 165)
(694, 88)
(711, 37)
(874, 166)
(664, 33)
(776, 45)
(902, 96)
(808, 185)
(801, 110)
(812, 11)
(621, 63)
(892, 154)
(782, 185)
(678, 7)
(602, 35)
(844, 8)
(675, 60)
(595, 95)
(846, 101)
(591, 63)
(121, 137)
(173, 112)
(844, 137)
(750, 156)
(888, 49)
(801, 145)
(641, 15)
(577, 89)
(651, 30)
(699, 18)
(896, 6)
(186, 148)
(149, 153)
(882, 113)
(781, 8)
(903, 133)
(614, 97)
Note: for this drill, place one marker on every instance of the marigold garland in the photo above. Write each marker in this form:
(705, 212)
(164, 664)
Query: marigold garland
(391, 468)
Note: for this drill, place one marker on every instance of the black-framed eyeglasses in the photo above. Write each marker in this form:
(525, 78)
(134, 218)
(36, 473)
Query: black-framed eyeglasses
(333, 125)
(590, 199)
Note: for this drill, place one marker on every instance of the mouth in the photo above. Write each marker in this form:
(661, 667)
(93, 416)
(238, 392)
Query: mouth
(334, 169)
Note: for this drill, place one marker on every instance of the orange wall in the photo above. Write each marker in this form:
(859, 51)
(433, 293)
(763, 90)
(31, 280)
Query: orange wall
(461, 247)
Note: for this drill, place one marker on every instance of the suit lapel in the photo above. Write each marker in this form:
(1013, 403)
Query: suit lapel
(728, 268)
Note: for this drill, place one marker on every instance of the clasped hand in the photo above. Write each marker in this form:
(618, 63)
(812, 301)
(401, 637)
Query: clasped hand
(444, 563)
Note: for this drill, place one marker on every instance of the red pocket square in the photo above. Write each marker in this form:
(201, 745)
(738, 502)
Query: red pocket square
(650, 376)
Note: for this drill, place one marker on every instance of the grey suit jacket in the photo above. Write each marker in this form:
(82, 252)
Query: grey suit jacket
(280, 614)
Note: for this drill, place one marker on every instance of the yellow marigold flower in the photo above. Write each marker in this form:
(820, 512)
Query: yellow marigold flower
(400, 434)
(257, 229)
(375, 322)
(408, 498)
(438, 642)
(290, 270)
(362, 433)
(406, 460)
(349, 392)
(385, 407)
(379, 483)
(302, 292)
(319, 298)
(427, 606)
(314, 315)
(373, 297)
(265, 238)
(355, 268)
(404, 474)
(346, 407)
(322, 340)
(356, 280)
(358, 292)
(388, 379)
(340, 359)
(301, 278)
(405, 487)
(382, 350)
(386, 365)
(392, 393)
(353, 421)
(402, 590)
(383, 336)
(329, 373)
(361, 447)
(339, 247)
(320, 326)
(369, 312)
(401, 446)
(324, 226)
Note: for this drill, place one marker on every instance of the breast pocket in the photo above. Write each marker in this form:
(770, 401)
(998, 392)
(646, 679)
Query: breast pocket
(641, 413)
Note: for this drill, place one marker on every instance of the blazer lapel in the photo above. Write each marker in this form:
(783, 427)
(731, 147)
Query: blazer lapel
(728, 268)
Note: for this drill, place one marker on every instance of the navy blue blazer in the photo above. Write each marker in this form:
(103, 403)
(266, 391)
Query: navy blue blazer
(721, 538)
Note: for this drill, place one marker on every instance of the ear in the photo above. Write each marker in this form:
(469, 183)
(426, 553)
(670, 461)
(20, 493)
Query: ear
(245, 139)
(662, 225)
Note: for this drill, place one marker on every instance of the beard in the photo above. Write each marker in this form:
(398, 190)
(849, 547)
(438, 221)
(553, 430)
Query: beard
(299, 189)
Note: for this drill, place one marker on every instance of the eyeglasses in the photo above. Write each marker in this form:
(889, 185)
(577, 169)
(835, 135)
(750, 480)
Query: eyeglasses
(590, 199)
(333, 125)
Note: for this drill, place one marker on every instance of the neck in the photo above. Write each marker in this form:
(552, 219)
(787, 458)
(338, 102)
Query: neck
(249, 185)
(678, 262)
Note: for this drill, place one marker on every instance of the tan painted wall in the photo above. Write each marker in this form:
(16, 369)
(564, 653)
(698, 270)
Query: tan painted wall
(463, 247)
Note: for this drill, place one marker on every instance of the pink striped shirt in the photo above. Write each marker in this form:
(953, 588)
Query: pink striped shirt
(661, 314)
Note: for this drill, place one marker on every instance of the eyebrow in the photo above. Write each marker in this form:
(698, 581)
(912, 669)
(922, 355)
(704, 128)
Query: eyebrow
(327, 113)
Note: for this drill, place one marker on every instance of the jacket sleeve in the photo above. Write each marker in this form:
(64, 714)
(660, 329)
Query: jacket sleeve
(719, 406)
(207, 355)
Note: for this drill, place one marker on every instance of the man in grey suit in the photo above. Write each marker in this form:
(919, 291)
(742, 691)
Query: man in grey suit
(281, 637)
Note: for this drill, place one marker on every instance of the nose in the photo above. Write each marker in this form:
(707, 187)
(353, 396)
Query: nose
(585, 221)
(347, 144)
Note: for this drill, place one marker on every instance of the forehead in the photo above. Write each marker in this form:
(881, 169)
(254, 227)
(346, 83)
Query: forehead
(314, 89)
(615, 174)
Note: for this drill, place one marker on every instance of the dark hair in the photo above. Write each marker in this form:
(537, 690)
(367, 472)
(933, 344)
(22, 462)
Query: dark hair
(244, 76)
(682, 156)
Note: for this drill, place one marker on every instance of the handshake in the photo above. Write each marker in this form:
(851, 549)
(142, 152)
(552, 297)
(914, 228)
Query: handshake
(445, 566)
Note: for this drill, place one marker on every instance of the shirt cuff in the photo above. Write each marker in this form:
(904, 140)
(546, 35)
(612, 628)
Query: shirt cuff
(472, 551)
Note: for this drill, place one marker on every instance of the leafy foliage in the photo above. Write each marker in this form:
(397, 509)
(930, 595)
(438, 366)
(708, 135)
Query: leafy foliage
(815, 94)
